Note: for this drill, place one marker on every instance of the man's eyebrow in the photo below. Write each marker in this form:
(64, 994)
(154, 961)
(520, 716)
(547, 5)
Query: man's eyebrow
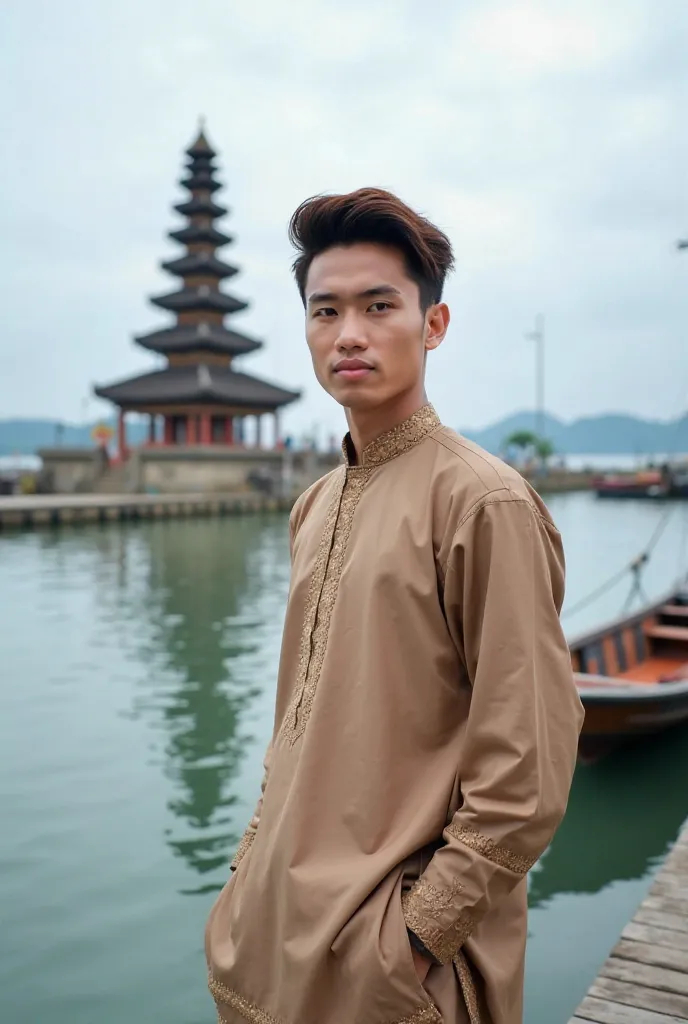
(369, 293)
(322, 297)
(379, 289)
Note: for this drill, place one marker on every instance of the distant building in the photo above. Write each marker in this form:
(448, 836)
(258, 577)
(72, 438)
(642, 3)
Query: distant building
(198, 398)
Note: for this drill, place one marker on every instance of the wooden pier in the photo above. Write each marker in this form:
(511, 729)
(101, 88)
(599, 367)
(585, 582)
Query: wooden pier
(645, 979)
(77, 509)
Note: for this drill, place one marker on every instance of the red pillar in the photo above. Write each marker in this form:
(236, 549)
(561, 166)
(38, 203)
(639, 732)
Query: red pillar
(191, 430)
(206, 429)
(122, 436)
(229, 430)
(169, 430)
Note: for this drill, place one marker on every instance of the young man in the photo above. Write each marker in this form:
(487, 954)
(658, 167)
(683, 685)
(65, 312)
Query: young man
(427, 720)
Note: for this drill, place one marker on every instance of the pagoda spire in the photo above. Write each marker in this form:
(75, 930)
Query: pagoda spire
(199, 394)
(201, 148)
(200, 299)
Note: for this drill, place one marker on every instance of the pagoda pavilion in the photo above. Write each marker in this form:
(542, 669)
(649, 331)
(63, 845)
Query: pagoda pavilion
(199, 397)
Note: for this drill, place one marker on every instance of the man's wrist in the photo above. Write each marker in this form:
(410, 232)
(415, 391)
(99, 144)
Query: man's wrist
(419, 946)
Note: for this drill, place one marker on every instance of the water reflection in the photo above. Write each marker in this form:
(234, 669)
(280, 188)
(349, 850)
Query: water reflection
(213, 596)
(623, 814)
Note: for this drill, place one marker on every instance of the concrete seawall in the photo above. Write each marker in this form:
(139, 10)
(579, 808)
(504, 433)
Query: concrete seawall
(18, 513)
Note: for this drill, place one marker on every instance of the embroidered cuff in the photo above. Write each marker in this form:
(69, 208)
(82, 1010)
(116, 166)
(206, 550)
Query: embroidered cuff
(426, 908)
(243, 848)
(517, 863)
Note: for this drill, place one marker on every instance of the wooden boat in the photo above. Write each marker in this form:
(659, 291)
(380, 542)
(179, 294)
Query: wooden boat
(670, 481)
(632, 675)
(643, 484)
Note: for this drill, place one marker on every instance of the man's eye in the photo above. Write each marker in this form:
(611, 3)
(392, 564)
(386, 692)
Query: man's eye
(380, 307)
(325, 311)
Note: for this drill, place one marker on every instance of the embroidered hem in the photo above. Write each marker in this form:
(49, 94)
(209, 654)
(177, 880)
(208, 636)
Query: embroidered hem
(255, 1015)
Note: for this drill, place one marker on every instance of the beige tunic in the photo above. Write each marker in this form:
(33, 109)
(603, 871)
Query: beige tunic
(425, 738)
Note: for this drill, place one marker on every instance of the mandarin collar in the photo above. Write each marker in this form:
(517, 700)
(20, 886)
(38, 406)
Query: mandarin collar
(396, 441)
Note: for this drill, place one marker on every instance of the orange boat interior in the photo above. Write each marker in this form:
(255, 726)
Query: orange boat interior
(649, 651)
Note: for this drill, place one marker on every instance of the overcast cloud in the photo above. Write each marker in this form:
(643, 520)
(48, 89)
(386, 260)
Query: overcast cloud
(549, 139)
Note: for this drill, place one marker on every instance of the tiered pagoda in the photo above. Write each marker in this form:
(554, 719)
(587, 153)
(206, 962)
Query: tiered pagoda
(198, 396)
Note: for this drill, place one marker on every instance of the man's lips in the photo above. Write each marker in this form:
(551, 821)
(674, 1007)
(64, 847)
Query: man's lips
(352, 369)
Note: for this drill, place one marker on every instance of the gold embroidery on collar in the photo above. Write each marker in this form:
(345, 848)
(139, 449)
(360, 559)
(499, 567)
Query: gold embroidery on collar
(424, 906)
(470, 996)
(322, 594)
(486, 847)
(399, 439)
(243, 847)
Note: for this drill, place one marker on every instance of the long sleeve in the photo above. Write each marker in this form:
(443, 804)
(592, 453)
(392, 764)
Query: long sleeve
(504, 587)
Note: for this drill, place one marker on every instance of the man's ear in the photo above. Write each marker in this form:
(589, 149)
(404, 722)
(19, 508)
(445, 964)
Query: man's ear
(436, 323)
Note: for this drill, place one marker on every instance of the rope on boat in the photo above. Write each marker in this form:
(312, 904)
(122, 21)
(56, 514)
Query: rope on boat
(683, 546)
(634, 567)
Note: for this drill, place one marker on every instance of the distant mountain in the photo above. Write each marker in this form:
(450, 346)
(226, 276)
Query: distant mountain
(611, 434)
(593, 435)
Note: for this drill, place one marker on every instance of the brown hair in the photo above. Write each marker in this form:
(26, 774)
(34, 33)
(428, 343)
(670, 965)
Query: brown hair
(372, 215)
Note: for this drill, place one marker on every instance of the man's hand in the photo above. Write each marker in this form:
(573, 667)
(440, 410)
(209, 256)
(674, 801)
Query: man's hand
(421, 963)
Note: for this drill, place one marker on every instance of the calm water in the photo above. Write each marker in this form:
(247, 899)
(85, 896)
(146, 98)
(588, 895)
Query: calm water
(136, 688)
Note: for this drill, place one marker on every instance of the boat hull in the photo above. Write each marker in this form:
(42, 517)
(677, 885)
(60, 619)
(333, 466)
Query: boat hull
(632, 676)
(623, 714)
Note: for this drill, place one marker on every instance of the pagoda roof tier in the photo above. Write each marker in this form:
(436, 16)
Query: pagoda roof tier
(200, 384)
(200, 163)
(200, 263)
(202, 297)
(202, 179)
(201, 147)
(197, 338)
(193, 233)
(205, 207)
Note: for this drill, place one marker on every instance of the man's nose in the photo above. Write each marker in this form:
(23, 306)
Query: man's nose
(351, 332)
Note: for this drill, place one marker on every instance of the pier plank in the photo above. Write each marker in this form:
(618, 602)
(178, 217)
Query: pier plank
(657, 956)
(668, 904)
(670, 889)
(654, 936)
(646, 974)
(671, 921)
(645, 978)
(634, 994)
(600, 1011)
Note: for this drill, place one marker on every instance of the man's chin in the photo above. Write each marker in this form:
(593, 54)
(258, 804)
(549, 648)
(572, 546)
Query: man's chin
(357, 398)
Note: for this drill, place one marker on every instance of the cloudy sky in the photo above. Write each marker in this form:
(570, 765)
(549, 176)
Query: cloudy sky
(548, 138)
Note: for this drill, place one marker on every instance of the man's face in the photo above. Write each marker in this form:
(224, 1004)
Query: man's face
(365, 329)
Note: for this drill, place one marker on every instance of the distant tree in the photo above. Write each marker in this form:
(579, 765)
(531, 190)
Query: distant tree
(544, 448)
(523, 439)
(530, 445)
